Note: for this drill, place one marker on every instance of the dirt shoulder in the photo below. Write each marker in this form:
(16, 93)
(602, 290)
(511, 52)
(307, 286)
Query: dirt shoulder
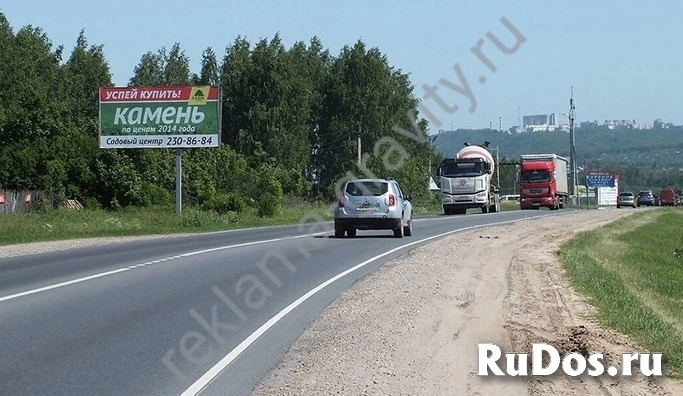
(21, 249)
(412, 328)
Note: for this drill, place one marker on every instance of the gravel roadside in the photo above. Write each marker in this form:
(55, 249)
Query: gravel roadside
(21, 249)
(412, 327)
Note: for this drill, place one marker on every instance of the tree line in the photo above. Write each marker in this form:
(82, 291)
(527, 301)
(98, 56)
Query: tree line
(290, 122)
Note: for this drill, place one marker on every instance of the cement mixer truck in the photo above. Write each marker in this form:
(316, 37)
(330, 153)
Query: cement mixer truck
(466, 181)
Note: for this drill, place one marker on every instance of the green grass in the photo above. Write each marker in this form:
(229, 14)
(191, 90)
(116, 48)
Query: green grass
(508, 206)
(63, 224)
(631, 273)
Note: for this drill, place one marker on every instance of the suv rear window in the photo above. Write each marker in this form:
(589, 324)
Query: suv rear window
(365, 188)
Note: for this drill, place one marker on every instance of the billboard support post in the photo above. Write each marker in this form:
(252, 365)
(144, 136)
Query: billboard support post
(178, 180)
(585, 182)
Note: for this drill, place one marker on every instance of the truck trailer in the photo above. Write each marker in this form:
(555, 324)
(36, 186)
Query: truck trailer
(466, 181)
(543, 181)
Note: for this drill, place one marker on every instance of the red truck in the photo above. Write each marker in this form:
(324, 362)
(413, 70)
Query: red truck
(543, 181)
(667, 197)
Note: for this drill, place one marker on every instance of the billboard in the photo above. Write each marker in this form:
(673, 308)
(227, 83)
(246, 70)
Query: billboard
(160, 117)
(583, 192)
(600, 179)
(608, 195)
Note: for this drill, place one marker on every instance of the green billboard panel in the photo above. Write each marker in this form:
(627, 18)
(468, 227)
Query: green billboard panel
(160, 117)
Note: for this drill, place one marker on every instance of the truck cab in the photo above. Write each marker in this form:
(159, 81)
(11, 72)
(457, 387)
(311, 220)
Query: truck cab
(466, 183)
(543, 181)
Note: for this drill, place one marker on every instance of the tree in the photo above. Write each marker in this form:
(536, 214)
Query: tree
(209, 74)
(150, 70)
(85, 72)
(176, 66)
(367, 96)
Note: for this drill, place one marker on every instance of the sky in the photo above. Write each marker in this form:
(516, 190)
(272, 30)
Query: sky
(622, 59)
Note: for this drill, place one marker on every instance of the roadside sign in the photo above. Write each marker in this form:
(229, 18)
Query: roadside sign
(160, 117)
(600, 179)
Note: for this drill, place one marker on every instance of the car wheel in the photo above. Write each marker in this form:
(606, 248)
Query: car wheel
(408, 230)
(351, 232)
(338, 233)
(618, 207)
(398, 232)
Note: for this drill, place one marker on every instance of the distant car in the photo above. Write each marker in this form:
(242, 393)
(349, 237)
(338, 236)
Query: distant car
(645, 198)
(626, 198)
(668, 196)
(658, 200)
(373, 204)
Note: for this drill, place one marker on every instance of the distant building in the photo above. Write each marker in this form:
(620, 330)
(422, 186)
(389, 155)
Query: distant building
(659, 124)
(615, 124)
(563, 120)
(532, 120)
(545, 122)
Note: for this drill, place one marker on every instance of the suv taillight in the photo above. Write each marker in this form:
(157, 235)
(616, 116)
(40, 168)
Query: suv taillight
(341, 201)
(392, 200)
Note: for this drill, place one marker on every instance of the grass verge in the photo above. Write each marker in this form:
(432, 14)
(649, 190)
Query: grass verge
(632, 272)
(61, 224)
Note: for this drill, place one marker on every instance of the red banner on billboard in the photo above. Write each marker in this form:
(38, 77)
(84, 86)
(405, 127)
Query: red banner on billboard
(158, 94)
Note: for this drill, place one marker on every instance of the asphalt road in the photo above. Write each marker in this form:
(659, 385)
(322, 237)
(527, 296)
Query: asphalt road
(210, 313)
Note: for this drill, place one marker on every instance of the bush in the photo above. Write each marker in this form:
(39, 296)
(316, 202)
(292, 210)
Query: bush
(292, 181)
(153, 195)
(270, 195)
(268, 205)
(223, 203)
(190, 219)
(91, 203)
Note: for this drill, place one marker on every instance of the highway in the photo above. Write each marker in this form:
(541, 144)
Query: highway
(205, 314)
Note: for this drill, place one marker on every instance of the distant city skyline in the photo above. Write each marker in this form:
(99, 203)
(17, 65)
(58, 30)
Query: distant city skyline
(470, 62)
(553, 121)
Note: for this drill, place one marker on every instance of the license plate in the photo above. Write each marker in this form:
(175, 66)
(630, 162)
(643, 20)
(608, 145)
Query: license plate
(365, 206)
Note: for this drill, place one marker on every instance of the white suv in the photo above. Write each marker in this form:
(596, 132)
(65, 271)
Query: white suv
(373, 204)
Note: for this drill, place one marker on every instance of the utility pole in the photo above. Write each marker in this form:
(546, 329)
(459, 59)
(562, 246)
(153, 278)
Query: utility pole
(359, 150)
(572, 142)
(179, 181)
(431, 140)
(497, 169)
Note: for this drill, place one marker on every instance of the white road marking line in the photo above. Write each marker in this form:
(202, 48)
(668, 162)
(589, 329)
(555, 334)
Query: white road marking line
(214, 371)
(141, 265)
